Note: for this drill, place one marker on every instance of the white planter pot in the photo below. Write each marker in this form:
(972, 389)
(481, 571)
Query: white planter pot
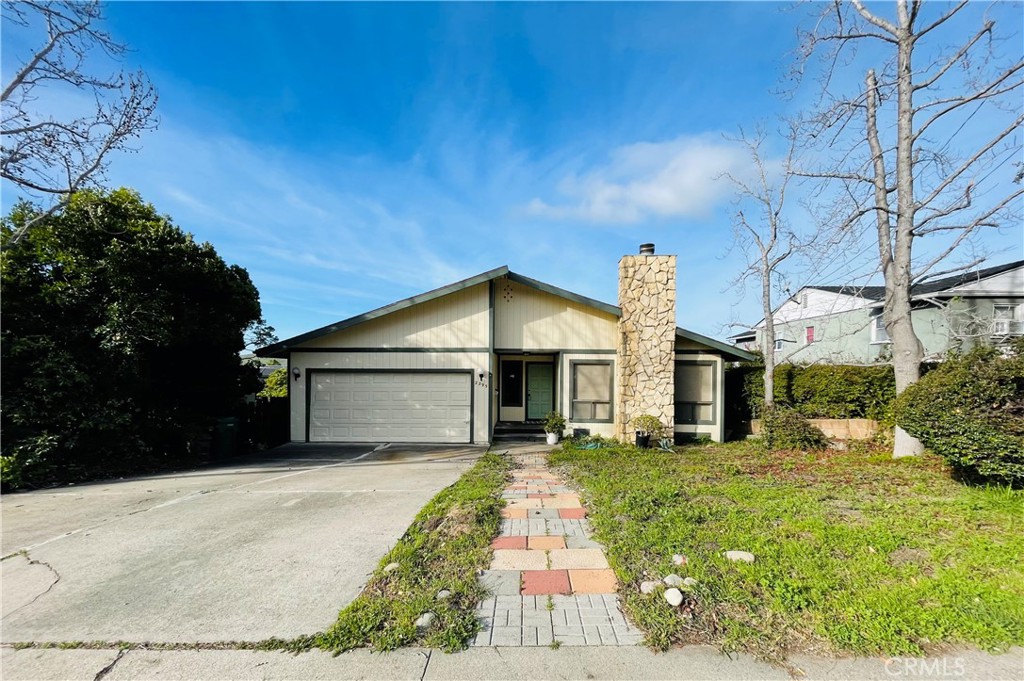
(552, 438)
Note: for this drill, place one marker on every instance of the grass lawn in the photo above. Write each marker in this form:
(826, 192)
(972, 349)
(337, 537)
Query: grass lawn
(442, 550)
(855, 552)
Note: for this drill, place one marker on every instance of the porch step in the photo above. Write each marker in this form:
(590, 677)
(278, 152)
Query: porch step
(519, 437)
(508, 432)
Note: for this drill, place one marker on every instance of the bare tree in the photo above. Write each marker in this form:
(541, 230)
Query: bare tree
(762, 233)
(920, 149)
(51, 156)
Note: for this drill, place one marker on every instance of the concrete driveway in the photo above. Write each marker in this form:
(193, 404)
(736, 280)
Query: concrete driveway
(272, 547)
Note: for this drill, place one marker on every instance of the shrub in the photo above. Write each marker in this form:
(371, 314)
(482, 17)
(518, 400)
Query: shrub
(276, 384)
(785, 428)
(647, 424)
(554, 422)
(970, 411)
(824, 390)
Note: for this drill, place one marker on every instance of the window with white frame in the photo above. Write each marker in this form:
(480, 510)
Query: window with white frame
(778, 344)
(592, 392)
(878, 332)
(1005, 319)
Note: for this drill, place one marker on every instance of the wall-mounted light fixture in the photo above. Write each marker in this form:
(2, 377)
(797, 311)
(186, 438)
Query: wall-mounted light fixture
(297, 373)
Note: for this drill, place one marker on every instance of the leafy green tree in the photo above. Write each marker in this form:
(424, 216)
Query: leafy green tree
(119, 342)
(276, 385)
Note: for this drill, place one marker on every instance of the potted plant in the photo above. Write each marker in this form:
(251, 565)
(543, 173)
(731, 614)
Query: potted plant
(554, 425)
(646, 427)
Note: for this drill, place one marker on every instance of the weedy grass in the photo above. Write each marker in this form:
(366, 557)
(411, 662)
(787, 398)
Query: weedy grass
(442, 550)
(855, 552)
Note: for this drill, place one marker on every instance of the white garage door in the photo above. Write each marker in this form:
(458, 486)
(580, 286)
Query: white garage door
(390, 407)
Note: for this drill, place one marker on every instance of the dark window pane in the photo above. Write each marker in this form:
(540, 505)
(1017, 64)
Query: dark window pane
(511, 383)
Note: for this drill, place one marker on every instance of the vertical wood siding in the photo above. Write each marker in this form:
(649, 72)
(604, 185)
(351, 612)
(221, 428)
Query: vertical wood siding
(528, 319)
(457, 320)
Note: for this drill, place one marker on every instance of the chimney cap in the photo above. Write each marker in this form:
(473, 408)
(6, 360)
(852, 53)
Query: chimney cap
(646, 249)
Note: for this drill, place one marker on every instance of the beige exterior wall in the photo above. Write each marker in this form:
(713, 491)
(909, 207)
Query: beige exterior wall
(528, 319)
(458, 320)
(476, 361)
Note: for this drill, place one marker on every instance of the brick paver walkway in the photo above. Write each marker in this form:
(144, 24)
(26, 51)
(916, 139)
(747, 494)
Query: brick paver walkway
(549, 581)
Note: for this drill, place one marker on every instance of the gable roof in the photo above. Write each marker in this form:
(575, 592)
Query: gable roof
(925, 288)
(281, 347)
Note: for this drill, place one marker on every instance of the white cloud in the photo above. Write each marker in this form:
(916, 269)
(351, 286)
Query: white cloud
(648, 180)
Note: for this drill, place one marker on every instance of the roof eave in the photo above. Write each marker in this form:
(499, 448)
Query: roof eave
(724, 348)
(281, 348)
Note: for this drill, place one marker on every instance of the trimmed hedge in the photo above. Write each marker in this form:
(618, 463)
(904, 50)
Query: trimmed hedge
(970, 411)
(822, 391)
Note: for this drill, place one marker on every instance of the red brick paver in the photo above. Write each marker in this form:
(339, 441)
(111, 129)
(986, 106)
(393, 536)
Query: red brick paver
(546, 582)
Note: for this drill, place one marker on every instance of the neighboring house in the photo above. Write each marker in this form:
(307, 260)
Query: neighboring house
(843, 324)
(455, 364)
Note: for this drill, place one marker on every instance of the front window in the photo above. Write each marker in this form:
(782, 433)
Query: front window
(695, 393)
(592, 392)
(878, 332)
(778, 344)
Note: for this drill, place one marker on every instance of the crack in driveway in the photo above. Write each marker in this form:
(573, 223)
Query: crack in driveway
(33, 561)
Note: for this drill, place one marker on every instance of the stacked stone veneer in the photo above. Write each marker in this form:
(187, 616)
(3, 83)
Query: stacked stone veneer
(645, 357)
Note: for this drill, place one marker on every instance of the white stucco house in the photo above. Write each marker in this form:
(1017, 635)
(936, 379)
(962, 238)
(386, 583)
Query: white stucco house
(498, 351)
(844, 325)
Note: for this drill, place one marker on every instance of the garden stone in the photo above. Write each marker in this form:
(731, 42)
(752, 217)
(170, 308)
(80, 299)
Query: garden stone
(744, 556)
(674, 597)
(391, 567)
(425, 620)
(689, 581)
(443, 594)
(679, 559)
(649, 587)
(673, 580)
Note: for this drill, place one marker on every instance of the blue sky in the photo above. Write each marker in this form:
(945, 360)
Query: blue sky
(349, 155)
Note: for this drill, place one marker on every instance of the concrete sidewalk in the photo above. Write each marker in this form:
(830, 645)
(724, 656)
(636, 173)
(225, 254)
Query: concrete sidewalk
(692, 662)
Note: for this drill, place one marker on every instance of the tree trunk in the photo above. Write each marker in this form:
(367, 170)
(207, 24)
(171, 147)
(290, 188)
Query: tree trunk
(907, 352)
(769, 336)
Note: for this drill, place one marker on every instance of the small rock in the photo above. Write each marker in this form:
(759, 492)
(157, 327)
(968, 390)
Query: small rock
(443, 594)
(425, 620)
(391, 567)
(674, 597)
(679, 559)
(673, 580)
(689, 581)
(744, 556)
(649, 587)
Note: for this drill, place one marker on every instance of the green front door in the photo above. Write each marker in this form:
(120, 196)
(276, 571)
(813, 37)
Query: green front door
(540, 390)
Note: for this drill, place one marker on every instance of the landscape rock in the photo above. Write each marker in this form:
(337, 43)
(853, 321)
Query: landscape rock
(679, 559)
(391, 567)
(689, 581)
(744, 556)
(674, 597)
(425, 620)
(673, 580)
(649, 587)
(443, 594)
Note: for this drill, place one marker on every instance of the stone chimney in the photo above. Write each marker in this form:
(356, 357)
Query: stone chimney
(645, 357)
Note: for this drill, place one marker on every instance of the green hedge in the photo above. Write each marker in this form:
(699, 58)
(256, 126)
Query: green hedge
(970, 411)
(820, 391)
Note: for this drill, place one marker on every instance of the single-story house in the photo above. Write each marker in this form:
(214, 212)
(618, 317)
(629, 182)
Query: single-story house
(455, 364)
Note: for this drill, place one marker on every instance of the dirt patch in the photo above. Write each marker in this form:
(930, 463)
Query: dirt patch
(908, 556)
